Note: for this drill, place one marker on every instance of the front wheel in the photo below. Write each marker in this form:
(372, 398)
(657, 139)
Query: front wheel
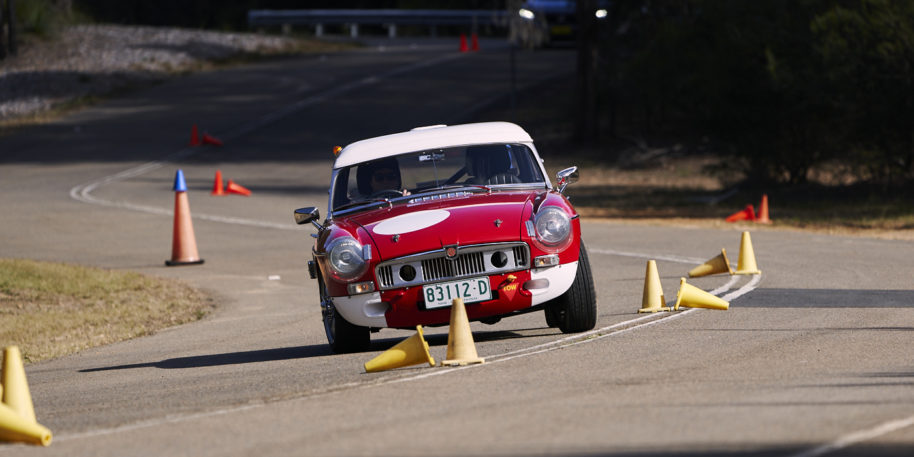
(341, 334)
(575, 310)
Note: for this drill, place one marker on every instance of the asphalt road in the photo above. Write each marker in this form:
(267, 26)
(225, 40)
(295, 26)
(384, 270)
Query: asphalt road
(813, 358)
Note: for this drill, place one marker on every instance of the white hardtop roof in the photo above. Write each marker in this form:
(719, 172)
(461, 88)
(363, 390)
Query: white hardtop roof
(432, 137)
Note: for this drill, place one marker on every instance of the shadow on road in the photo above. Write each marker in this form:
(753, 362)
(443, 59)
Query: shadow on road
(863, 449)
(478, 337)
(299, 352)
(828, 298)
(230, 358)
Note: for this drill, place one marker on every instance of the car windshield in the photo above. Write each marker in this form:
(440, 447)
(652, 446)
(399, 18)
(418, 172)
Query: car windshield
(490, 166)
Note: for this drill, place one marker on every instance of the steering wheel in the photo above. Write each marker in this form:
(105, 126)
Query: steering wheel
(386, 193)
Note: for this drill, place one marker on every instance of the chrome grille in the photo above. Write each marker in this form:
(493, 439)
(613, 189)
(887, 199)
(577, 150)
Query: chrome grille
(433, 269)
(386, 274)
(434, 266)
(520, 255)
(464, 265)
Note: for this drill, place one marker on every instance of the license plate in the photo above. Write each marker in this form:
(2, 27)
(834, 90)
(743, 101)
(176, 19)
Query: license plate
(470, 290)
(561, 30)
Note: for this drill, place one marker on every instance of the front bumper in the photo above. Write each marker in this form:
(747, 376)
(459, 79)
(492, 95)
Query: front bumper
(404, 307)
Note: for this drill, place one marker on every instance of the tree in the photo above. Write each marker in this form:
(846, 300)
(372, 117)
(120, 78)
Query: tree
(867, 50)
(587, 117)
(787, 85)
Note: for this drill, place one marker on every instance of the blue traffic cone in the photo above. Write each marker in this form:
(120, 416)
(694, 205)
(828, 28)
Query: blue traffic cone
(183, 242)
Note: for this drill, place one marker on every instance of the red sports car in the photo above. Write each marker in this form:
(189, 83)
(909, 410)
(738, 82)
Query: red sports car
(419, 218)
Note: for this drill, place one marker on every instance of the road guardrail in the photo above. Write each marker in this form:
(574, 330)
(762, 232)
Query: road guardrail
(389, 18)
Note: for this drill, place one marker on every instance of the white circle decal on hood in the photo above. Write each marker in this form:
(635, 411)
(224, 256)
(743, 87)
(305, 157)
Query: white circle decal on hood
(411, 222)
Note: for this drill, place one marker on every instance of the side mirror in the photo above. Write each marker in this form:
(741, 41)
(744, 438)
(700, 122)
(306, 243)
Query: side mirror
(565, 177)
(305, 215)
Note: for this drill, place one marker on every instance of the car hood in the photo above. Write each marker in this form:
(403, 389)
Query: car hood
(463, 220)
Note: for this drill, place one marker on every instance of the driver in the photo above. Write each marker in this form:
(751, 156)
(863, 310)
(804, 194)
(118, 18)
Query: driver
(380, 175)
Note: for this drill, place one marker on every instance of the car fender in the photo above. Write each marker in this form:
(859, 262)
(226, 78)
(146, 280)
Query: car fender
(560, 278)
(366, 310)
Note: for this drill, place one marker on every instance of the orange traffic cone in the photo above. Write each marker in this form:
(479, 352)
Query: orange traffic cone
(194, 136)
(763, 211)
(463, 43)
(234, 188)
(747, 214)
(474, 42)
(209, 139)
(217, 184)
(183, 242)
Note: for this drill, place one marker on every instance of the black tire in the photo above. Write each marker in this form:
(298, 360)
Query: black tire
(341, 334)
(553, 315)
(576, 310)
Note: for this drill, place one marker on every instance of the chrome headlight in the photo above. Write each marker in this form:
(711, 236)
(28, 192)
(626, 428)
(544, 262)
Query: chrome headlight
(347, 258)
(526, 14)
(553, 226)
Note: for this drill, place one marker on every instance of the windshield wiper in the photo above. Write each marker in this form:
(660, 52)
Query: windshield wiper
(456, 186)
(362, 202)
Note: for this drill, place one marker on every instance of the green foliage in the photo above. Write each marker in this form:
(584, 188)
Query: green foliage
(868, 51)
(43, 18)
(787, 84)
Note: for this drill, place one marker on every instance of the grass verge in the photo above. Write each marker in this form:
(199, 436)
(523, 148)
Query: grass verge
(52, 309)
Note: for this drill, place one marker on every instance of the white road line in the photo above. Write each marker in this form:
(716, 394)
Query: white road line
(573, 340)
(500, 358)
(382, 382)
(639, 255)
(725, 287)
(585, 334)
(690, 260)
(83, 192)
(749, 287)
(154, 422)
(587, 337)
(858, 437)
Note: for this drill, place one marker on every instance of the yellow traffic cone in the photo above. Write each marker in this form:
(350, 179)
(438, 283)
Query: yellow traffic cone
(746, 263)
(719, 264)
(461, 350)
(15, 387)
(14, 427)
(693, 297)
(652, 300)
(410, 351)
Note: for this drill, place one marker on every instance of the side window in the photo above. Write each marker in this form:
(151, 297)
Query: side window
(501, 164)
(340, 189)
(525, 163)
